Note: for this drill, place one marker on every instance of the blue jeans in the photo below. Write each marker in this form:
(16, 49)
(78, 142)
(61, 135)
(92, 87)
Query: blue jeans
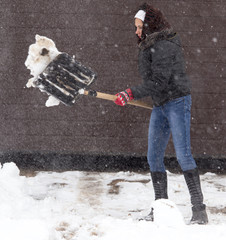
(173, 117)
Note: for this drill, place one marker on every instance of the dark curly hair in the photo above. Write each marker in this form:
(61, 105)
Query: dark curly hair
(154, 20)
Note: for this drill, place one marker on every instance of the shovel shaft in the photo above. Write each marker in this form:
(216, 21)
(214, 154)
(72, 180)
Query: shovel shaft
(111, 97)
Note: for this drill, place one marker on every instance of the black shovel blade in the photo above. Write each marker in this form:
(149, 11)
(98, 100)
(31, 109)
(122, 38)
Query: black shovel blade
(63, 78)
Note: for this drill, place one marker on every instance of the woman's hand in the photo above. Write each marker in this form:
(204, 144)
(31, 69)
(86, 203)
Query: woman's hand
(124, 97)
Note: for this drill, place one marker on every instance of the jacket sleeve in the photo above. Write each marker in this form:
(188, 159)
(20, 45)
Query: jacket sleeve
(155, 70)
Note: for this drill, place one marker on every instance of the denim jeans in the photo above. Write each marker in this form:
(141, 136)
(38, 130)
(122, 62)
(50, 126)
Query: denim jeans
(173, 117)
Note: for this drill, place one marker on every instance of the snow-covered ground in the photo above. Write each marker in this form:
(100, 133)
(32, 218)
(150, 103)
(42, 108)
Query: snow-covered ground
(90, 205)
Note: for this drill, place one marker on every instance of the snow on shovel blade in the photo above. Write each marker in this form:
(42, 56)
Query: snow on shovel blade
(63, 78)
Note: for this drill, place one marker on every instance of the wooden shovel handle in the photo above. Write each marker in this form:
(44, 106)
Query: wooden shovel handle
(113, 98)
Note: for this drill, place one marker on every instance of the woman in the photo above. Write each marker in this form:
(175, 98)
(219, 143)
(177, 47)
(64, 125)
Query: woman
(161, 66)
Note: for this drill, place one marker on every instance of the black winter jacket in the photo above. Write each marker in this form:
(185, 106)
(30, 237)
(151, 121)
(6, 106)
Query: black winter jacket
(161, 66)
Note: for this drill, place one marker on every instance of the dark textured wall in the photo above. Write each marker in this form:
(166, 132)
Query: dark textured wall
(101, 35)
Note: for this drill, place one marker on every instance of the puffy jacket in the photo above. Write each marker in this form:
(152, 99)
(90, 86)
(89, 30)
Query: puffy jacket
(161, 66)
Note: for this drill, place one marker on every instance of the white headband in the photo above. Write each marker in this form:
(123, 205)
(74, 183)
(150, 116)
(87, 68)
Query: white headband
(141, 15)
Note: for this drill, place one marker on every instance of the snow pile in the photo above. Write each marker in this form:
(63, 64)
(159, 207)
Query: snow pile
(11, 184)
(19, 218)
(40, 54)
(91, 206)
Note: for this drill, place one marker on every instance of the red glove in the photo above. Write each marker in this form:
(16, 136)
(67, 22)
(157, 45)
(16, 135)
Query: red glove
(124, 97)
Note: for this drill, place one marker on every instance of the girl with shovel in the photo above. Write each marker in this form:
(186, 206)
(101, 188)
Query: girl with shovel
(161, 66)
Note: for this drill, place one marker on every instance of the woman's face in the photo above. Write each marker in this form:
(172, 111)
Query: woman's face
(139, 27)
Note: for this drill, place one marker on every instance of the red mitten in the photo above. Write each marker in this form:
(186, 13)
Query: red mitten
(124, 97)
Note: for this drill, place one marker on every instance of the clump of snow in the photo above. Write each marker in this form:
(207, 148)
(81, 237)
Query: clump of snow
(40, 54)
(166, 213)
(52, 101)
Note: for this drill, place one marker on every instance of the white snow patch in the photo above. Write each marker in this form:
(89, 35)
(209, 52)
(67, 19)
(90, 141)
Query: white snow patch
(91, 206)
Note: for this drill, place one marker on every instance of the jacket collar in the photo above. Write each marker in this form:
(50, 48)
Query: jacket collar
(151, 39)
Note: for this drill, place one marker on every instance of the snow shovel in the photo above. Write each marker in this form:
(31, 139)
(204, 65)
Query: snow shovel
(66, 79)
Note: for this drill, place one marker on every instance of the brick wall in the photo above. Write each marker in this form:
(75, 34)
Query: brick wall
(101, 35)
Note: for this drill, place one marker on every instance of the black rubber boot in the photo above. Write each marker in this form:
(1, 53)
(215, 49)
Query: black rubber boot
(159, 181)
(199, 214)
